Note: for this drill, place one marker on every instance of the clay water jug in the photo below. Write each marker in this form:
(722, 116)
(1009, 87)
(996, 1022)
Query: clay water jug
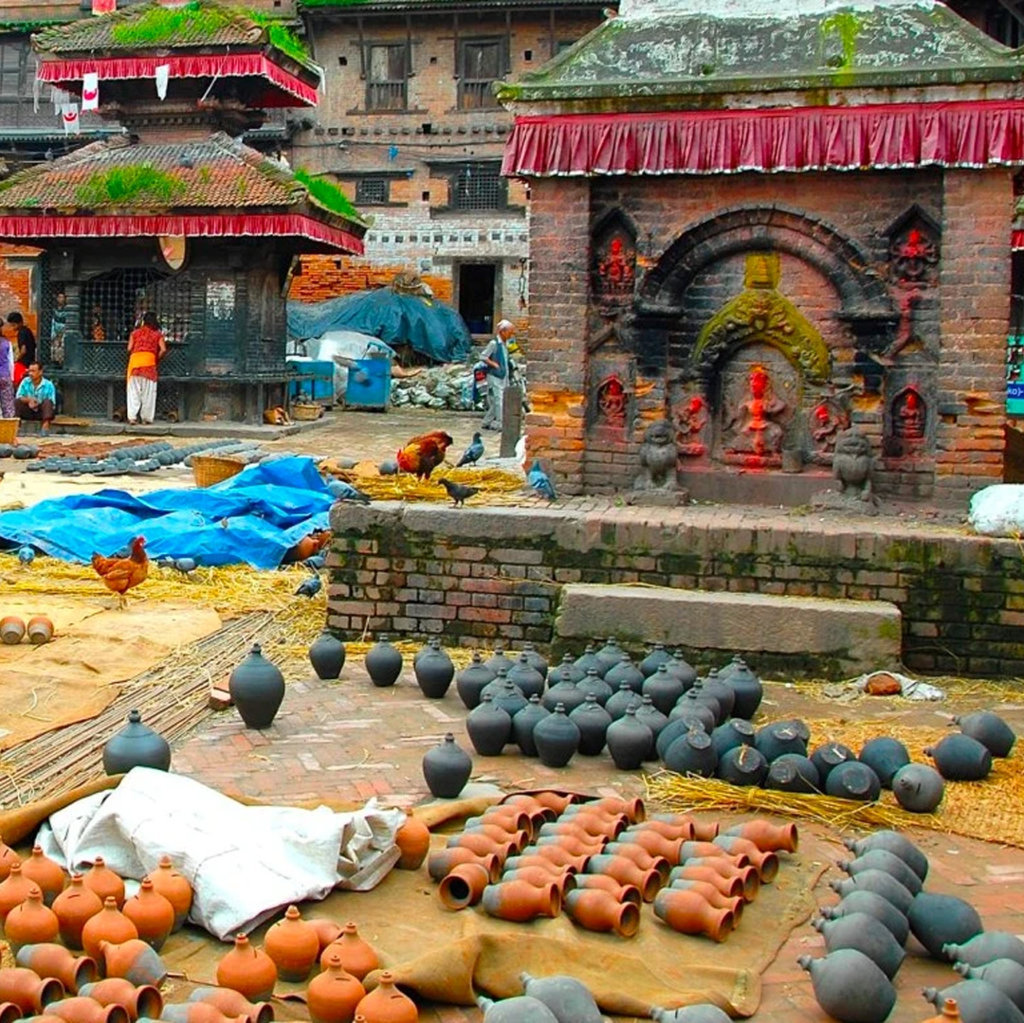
(566, 997)
(792, 773)
(688, 913)
(746, 687)
(470, 681)
(781, 737)
(134, 960)
(51, 960)
(152, 914)
(108, 925)
(293, 944)
(144, 1001)
(327, 655)
(692, 753)
(768, 837)
(386, 1004)
(683, 670)
(527, 677)
(875, 906)
(1004, 974)
(174, 887)
(498, 661)
(27, 990)
(690, 1014)
(624, 671)
(332, 996)
(885, 756)
(958, 757)
(518, 1009)
(47, 874)
(383, 663)
(556, 737)
(257, 689)
(656, 657)
(247, 970)
(537, 660)
(14, 890)
(742, 765)
(850, 987)
(830, 755)
(608, 656)
(85, 1010)
(880, 883)
(413, 839)
(880, 859)
(464, 884)
(489, 727)
(629, 741)
(918, 788)
(518, 901)
(700, 715)
(446, 768)
(894, 842)
(357, 956)
(567, 668)
(597, 910)
(622, 698)
(231, 1003)
(434, 670)
(74, 906)
(985, 947)
(940, 920)
(592, 720)
(505, 694)
(990, 730)
(31, 922)
(977, 1002)
(867, 935)
(524, 723)
(104, 882)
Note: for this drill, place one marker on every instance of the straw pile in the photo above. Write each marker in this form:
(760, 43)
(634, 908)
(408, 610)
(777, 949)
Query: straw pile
(497, 486)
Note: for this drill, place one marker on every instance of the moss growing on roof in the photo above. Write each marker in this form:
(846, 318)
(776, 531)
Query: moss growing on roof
(139, 185)
(327, 194)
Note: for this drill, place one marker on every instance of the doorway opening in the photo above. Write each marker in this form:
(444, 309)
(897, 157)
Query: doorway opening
(476, 296)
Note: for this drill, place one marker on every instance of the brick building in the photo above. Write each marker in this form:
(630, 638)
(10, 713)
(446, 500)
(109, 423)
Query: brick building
(767, 236)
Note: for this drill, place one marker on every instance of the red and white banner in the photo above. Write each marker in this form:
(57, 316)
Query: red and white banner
(70, 119)
(104, 6)
(90, 91)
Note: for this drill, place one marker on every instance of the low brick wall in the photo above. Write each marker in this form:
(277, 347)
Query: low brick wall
(488, 575)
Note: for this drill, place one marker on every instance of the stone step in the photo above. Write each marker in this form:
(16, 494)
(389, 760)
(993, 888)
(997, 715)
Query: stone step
(811, 635)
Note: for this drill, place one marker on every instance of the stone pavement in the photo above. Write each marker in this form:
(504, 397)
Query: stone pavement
(347, 740)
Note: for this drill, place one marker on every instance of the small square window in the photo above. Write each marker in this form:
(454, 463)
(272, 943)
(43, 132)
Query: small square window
(425, 196)
(372, 191)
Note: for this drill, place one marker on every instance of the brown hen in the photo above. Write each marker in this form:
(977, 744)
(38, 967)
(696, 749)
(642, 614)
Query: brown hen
(423, 454)
(121, 574)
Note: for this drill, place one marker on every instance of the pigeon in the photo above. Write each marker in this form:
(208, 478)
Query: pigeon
(473, 453)
(538, 479)
(342, 491)
(26, 554)
(309, 587)
(315, 562)
(184, 565)
(457, 492)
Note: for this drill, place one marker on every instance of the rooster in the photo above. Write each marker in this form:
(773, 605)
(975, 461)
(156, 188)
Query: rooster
(423, 454)
(121, 574)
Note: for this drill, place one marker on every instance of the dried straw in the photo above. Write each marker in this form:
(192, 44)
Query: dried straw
(497, 486)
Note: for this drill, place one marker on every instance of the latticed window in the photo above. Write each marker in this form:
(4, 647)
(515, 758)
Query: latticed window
(13, 64)
(386, 73)
(479, 186)
(112, 304)
(372, 191)
(481, 62)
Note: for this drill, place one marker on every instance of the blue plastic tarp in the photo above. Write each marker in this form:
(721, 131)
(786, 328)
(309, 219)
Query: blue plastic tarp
(253, 517)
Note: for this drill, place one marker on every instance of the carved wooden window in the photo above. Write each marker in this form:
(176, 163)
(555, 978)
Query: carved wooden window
(372, 191)
(481, 63)
(387, 72)
(13, 62)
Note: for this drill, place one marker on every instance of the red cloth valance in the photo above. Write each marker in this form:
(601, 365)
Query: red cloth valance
(231, 65)
(963, 134)
(254, 225)
(1018, 239)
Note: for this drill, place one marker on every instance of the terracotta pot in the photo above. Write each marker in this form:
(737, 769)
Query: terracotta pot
(692, 849)
(766, 863)
(231, 1003)
(529, 862)
(39, 630)
(333, 995)
(51, 960)
(519, 901)
(413, 840)
(247, 970)
(9, 1012)
(593, 816)
(440, 864)
(730, 887)
(134, 960)
(144, 1000)
(768, 837)
(74, 906)
(520, 839)
(27, 990)
(151, 913)
(463, 886)
(553, 800)
(746, 875)
(359, 957)
(688, 913)
(12, 630)
(703, 831)
(293, 945)
(571, 829)
(538, 877)
(712, 896)
(85, 1010)
(520, 815)
(31, 922)
(198, 1012)
(7, 857)
(572, 844)
(597, 910)
(560, 857)
(625, 871)
(45, 873)
(327, 931)
(386, 1004)
(673, 832)
(103, 881)
(602, 882)
(109, 924)
(640, 856)
(481, 845)
(174, 887)
(633, 808)
(14, 890)
(949, 1014)
(655, 844)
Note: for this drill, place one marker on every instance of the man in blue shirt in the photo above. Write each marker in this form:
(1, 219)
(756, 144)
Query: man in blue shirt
(496, 358)
(36, 398)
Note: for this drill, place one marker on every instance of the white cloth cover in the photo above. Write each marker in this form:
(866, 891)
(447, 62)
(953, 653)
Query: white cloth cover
(244, 862)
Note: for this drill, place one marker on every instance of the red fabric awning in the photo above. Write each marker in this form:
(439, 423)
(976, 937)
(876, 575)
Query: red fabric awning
(1018, 239)
(233, 65)
(963, 134)
(242, 225)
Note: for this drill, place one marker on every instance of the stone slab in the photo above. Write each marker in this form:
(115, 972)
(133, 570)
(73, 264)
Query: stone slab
(851, 636)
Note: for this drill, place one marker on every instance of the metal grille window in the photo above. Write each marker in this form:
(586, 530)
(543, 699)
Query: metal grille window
(372, 191)
(13, 62)
(386, 74)
(112, 304)
(481, 62)
(479, 186)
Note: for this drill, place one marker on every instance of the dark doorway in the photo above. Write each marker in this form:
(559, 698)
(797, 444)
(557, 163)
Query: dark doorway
(476, 296)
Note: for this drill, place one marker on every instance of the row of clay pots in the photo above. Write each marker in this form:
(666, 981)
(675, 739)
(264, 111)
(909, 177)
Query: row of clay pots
(13, 630)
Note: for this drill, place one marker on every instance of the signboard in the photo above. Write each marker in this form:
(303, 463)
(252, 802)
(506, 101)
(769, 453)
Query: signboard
(1015, 375)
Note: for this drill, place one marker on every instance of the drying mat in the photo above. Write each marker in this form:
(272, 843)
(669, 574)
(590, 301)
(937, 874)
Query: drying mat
(988, 808)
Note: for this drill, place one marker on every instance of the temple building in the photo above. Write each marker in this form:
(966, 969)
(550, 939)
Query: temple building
(175, 214)
(767, 224)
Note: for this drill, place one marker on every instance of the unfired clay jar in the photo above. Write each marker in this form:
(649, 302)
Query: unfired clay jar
(134, 960)
(413, 839)
(463, 886)
(441, 863)
(51, 960)
(174, 887)
(597, 910)
(625, 871)
(293, 944)
(144, 1000)
(109, 924)
(768, 837)
(519, 901)
(27, 990)
(85, 1010)
(32, 922)
(539, 877)
(730, 887)
(657, 845)
(712, 896)
(621, 892)
(386, 1004)
(45, 873)
(103, 881)
(151, 913)
(199, 1012)
(231, 1003)
(74, 906)
(13, 890)
(767, 863)
(357, 956)
(688, 913)
(248, 970)
(333, 995)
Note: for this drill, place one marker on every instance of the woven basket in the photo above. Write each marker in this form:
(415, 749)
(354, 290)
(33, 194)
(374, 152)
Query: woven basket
(9, 430)
(209, 469)
(307, 411)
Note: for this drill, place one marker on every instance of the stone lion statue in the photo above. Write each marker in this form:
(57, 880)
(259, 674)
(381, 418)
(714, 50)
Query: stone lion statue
(852, 464)
(657, 458)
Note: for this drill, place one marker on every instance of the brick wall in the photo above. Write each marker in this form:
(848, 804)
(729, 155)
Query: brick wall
(324, 277)
(19, 287)
(493, 575)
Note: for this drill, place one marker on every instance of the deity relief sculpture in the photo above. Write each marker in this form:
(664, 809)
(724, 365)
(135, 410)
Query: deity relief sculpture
(908, 419)
(691, 417)
(616, 273)
(913, 256)
(658, 458)
(826, 422)
(754, 427)
(611, 403)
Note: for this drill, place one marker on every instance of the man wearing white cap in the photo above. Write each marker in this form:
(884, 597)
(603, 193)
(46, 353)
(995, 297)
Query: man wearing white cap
(496, 358)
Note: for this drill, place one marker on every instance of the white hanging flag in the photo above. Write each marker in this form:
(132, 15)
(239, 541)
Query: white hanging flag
(69, 115)
(163, 75)
(58, 97)
(90, 91)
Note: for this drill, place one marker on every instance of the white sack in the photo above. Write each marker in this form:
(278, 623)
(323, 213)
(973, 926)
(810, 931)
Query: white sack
(998, 510)
(244, 862)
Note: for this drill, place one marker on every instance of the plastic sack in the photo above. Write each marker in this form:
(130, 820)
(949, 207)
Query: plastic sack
(998, 510)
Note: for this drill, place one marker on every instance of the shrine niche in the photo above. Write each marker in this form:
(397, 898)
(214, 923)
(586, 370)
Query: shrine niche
(913, 268)
(613, 273)
(906, 424)
(611, 403)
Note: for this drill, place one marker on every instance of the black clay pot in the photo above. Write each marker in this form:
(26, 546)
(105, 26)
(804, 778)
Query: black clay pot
(593, 683)
(657, 656)
(651, 716)
(850, 987)
(608, 656)
(894, 842)
(257, 689)
(880, 859)
(693, 710)
(587, 660)
(537, 660)
(830, 755)
(853, 780)
(867, 935)
(383, 663)
(874, 906)
(745, 685)
(885, 756)
(499, 660)
(663, 688)
(575, 672)
(489, 728)
(792, 773)
(557, 738)
(938, 920)
(742, 765)
(987, 947)
(592, 720)
(446, 768)
(625, 671)
(675, 728)
(505, 694)
(692, 753)
(682, 669)
(524, 723)
(918, 788)
(1004, 974)
(526, 676)
(732, 733)
(469, 682)
(564, 691)
(724, 694)
(781, 737)
(136, 745)
(990, 730)
(622, 698)
(327, 655)
(434, 671)
(880, 883)
(629, 741)
(697, 694)
(977, 1002)
(958, 757)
